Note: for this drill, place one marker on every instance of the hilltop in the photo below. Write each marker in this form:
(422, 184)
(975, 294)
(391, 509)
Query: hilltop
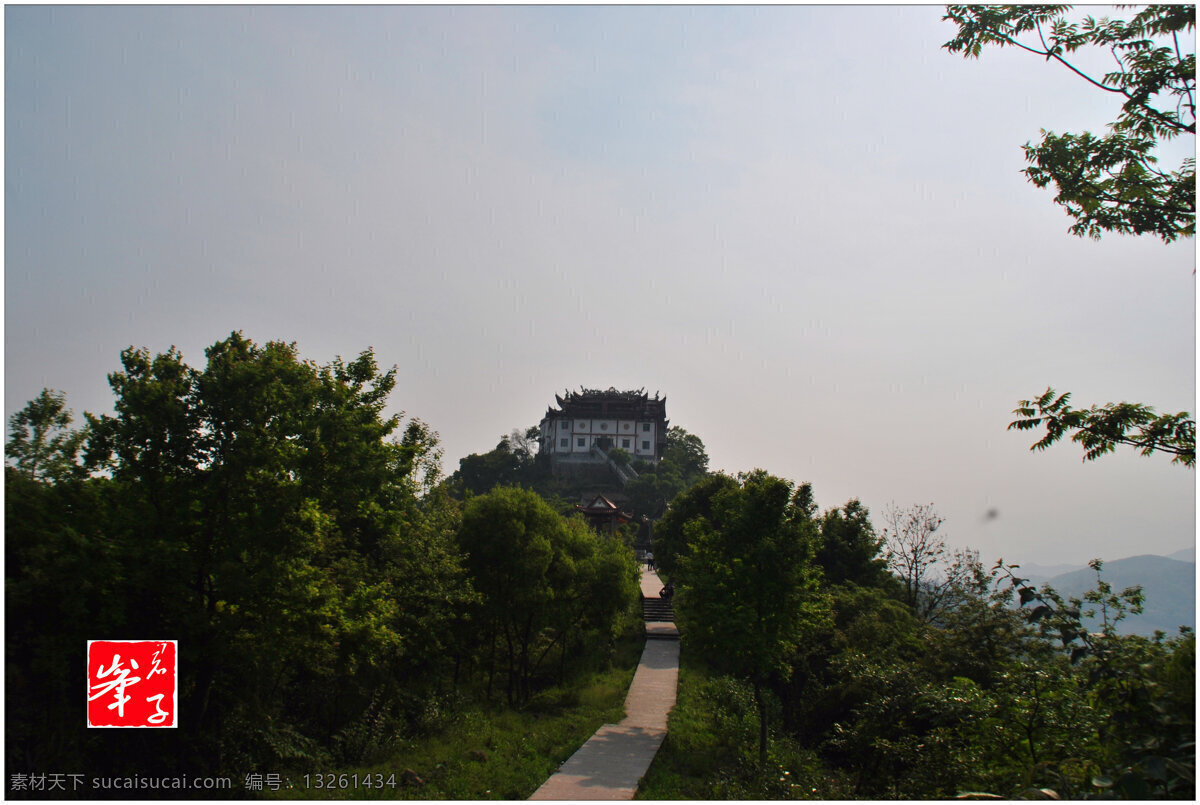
(1169, 585)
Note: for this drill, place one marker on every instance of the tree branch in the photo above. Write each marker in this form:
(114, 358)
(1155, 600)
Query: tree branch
(1187, 86)
(1167, 119)
(1106, 196)
(1051, 54)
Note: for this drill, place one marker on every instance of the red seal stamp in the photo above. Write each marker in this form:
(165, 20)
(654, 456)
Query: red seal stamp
(132, 683)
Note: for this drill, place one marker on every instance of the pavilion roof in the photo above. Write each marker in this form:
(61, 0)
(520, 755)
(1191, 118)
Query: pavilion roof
(603, 507)
(589, 403)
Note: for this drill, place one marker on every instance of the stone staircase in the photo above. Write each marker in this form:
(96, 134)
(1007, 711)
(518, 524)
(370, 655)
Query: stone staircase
(624, 474)
(657, 610)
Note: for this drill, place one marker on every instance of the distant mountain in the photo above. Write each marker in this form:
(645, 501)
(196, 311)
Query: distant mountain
(1040, 573)
(1169, 586)
(1186, 555)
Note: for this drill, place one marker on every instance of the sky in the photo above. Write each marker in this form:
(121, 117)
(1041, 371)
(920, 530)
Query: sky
(805, 226)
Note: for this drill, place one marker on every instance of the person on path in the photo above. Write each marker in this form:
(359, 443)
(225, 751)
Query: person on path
(649, 560)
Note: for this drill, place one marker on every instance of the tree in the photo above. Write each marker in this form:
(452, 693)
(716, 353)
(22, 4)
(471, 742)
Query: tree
(849, 548)
(685, 451)
(512, 461)
(1143, 740)
(419, 456)
(918, 555)
(684, 463)
(524, 443)
(748, 582)
(1109, 183)
(1100, 429)
(541, 578)
(672, 535)
(620, 456)
(41, 443)
(62, 586)
(264, 512)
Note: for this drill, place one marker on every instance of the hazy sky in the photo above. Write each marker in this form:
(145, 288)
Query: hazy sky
(806, 226)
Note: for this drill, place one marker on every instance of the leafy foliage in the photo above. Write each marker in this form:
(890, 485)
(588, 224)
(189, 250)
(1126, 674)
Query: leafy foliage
(296, 539)
(1100, 429)
(849, 548)
(954, 682)
(513, 461)
(1146, 737)
(684, 463)
(1109, 183)
(545, 581)
(695, 505)
(41, 443)
(748, 583)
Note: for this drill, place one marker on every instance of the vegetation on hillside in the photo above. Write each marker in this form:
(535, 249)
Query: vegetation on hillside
(339, 606)
(330, 600)
(939, 679)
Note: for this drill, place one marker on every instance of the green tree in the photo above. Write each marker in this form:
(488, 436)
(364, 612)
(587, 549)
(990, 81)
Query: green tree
(152, 439)
(419, 456)
(684, 463)
(1109, 183)
(542, 578)
(1100, 429)
(513, 461)
(672, 535)
(63, 586)
(849, 549)
(748, 582)
(685, 451)
(1137, 735)
(41, 442)
(265, 514)
(620, 456)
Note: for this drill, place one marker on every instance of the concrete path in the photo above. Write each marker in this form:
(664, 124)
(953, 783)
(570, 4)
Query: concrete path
(613, 761)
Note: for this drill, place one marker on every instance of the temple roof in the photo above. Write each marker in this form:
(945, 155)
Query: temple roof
(603, 507)
(589, 403)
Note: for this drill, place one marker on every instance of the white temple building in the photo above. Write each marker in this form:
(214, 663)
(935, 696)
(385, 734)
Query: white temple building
(589, 423)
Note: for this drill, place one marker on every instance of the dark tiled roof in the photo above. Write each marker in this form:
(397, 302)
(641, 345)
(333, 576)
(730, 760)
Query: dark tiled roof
(593, 403)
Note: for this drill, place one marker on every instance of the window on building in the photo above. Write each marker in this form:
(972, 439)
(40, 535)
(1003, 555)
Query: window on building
(603, 426)
(564, 442)
(581, 442)
(645, 427)
(564, 424)
(645, 445)
(625, 444)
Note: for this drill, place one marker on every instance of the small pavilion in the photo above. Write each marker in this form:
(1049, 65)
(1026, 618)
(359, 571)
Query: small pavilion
(603, 514)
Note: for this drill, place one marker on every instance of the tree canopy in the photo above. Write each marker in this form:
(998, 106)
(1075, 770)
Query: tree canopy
(1108, 183)
(261, 511)
(684, 463)
(748, 580)
(41, 443)
(1100, 429)
(542, 578)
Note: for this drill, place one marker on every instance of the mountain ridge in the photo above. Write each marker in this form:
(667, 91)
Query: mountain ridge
(1169, 587)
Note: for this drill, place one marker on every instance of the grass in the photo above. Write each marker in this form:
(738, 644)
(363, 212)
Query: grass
(711, 749)
(489, 751)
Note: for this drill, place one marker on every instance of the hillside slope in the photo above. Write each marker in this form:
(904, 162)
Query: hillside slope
(1169, 586)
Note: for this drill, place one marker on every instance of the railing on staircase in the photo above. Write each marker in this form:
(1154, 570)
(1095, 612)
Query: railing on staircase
(624, 473)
